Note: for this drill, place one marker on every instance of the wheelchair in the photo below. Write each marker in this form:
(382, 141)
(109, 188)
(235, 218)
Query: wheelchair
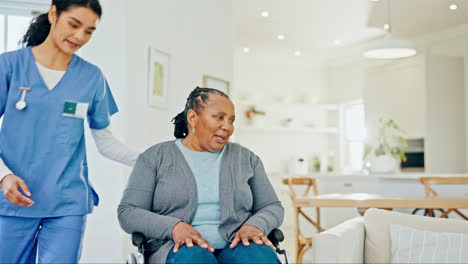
(144, 250)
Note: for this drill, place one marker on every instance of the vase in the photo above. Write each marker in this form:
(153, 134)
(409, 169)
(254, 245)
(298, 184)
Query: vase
(384, 164)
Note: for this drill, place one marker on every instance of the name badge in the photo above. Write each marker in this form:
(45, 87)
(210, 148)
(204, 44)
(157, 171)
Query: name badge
(75, 109)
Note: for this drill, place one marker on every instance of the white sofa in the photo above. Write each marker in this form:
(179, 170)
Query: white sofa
(368, 240)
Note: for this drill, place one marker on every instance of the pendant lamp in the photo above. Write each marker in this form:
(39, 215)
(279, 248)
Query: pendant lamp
(389, 47)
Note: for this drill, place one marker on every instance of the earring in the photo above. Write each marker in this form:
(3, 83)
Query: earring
(193, 130)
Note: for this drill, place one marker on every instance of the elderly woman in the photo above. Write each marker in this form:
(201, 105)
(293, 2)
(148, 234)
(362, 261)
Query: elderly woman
(200, 198)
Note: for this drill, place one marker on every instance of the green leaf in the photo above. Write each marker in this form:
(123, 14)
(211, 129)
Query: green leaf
(390, 142)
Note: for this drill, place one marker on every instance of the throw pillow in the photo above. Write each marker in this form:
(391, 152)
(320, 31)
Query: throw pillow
(411, 245)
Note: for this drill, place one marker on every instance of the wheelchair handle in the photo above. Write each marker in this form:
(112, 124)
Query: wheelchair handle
(138, 239)
(276, 236)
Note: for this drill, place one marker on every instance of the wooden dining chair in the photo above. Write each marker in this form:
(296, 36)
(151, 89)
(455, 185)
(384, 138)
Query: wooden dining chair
(303, 243)
(430, 192)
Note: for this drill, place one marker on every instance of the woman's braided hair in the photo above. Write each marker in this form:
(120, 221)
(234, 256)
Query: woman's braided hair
(195, 101)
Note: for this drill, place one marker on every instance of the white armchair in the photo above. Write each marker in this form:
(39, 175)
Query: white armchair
(367, 239)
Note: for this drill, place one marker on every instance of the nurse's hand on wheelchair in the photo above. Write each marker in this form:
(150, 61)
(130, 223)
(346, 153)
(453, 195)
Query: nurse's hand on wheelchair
(183, 233)
(10, 185)
(248, 232)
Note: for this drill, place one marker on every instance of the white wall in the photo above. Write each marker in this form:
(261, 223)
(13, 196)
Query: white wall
(259, 79)
(346, 83)
(445, 142)
(198, 36)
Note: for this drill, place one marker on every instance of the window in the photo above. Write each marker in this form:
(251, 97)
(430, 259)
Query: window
(17, 26)
(355, 134)
(12, 30)
(15, 17)
(2, 33)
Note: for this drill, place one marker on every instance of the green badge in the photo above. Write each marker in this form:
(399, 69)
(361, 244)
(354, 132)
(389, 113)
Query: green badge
(69, 108)
(75, 109)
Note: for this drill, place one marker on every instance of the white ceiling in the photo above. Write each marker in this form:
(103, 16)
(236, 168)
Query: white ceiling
(417, 17)
(306, 23)
(313, 25)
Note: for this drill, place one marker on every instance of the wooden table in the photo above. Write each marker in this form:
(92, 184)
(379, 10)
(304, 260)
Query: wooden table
(364, 200)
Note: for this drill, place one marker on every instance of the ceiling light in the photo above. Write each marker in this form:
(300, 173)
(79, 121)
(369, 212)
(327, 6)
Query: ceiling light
(390, 48)
(246, 50)
(374, 0)
(453, 7)
(338, 41)
(298, 53)
(265, 14)
(280, 37)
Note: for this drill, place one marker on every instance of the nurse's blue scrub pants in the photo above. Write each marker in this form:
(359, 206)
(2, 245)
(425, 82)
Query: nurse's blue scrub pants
(53, 240)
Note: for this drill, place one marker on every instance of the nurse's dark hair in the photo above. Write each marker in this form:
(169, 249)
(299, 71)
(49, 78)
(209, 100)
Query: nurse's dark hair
(195, 101)
(40, 26)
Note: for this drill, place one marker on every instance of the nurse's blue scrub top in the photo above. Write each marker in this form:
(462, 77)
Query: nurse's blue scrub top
(41, 145)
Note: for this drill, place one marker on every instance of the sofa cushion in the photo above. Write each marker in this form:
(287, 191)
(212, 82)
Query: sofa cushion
(411, 245)
(343, 243)
(377, 246)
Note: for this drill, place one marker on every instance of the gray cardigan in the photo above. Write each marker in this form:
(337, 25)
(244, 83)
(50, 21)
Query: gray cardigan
(161, 192)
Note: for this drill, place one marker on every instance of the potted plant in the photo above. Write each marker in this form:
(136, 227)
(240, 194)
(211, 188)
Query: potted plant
(387, 154)
(252, 114)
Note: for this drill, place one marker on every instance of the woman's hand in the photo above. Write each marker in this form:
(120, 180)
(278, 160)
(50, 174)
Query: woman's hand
(10, 185)
(184, 233)
(248, 232)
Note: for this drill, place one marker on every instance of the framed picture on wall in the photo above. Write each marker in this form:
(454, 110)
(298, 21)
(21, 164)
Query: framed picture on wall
(158, 77)
(216, 83)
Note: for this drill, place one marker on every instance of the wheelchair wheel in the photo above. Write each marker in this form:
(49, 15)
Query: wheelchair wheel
(131, 259)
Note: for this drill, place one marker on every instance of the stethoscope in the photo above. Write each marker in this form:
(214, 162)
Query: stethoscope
(21, 104)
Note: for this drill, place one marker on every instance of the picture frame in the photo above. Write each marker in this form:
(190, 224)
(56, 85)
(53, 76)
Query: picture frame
(216, 83)
(158, 77)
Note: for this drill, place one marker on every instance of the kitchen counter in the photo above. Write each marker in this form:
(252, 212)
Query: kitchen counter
(385, 184)
(361, 176)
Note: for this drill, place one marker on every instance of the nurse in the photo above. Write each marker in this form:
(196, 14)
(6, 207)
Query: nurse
(46, 93)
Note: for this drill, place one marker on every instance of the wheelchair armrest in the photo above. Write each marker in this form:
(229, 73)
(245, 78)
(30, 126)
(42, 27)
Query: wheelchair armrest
(276, 236)
(138, 239)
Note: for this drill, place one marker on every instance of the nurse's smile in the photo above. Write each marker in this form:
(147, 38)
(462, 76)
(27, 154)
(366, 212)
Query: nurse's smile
(72, 45)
